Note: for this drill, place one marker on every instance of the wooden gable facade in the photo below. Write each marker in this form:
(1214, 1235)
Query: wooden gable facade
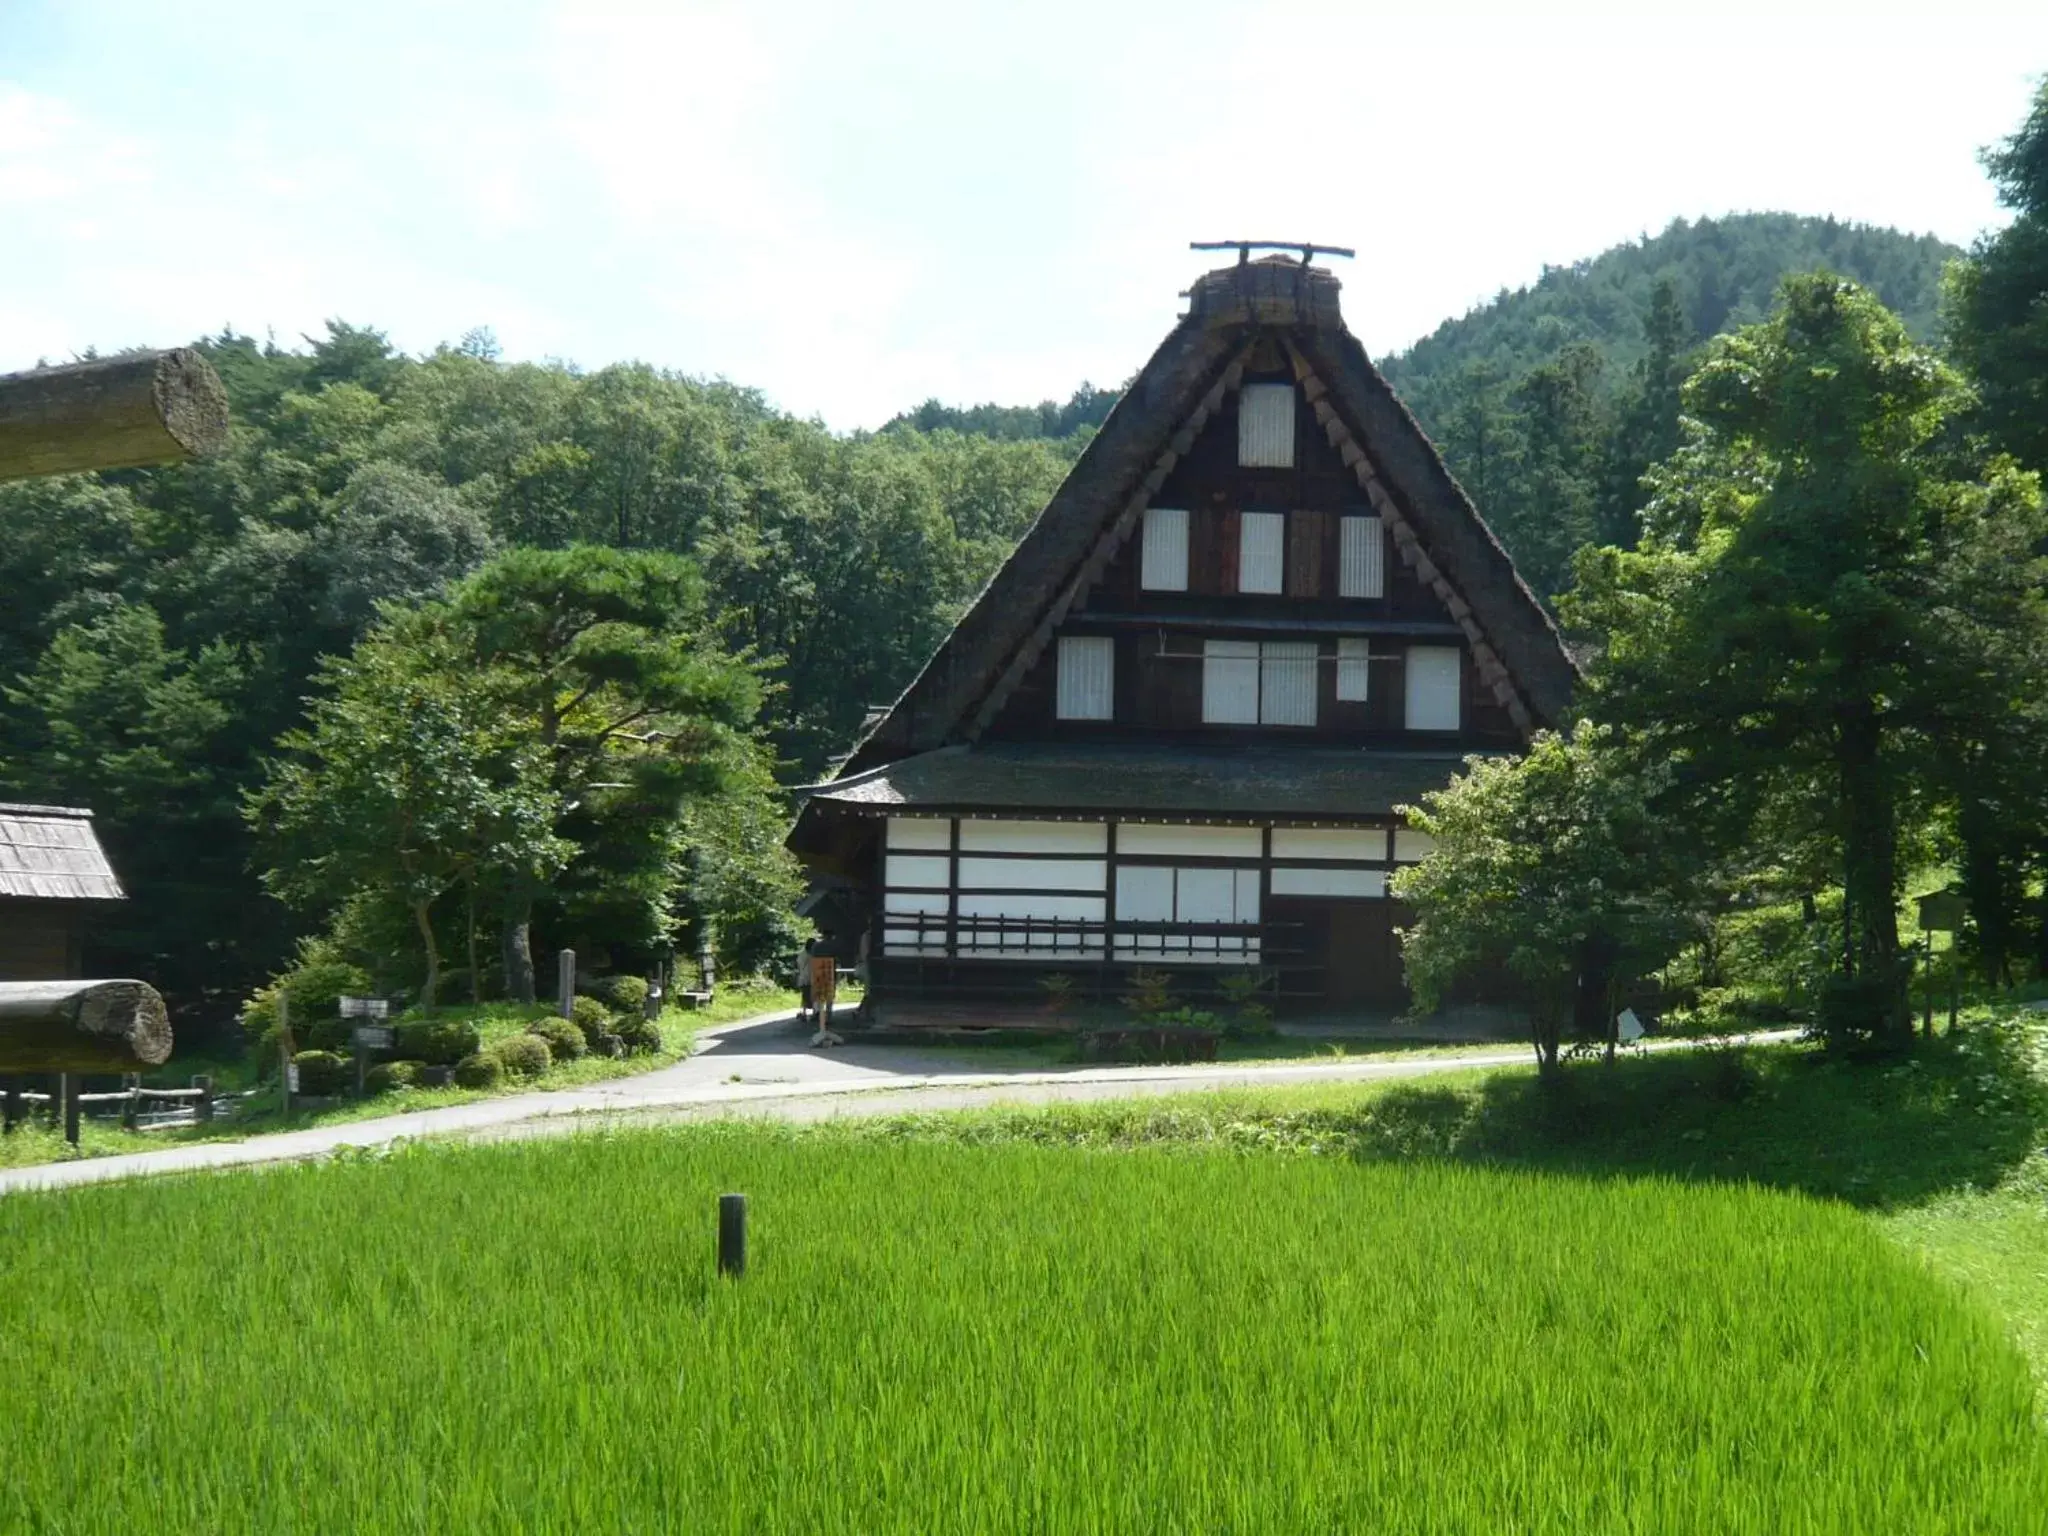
(1174, 729)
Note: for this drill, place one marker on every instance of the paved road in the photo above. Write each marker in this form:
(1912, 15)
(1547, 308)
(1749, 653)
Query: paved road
(760, 1067)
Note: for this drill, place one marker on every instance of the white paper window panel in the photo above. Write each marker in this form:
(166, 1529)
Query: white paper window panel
(920, 832)
(911, 903)
(1329, 882)
(905, 941)
(1144, 893)
(1163, 558)
(1034, 837)
(1354, 670)
(1261, 551)
(1433, 688)
(1412, 847)
(1034, 874)
(1287, 683)
(1187, 948)
(901, 869)
(1205, 896)
(1203, 842)
(1087, 678)
(1065, 946)
(1265, 425)
(1367, 845)
(1023, 904)
(1361, 558)
(1230, 682)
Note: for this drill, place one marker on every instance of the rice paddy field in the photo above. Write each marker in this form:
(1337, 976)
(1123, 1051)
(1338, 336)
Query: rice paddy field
(943, 1336)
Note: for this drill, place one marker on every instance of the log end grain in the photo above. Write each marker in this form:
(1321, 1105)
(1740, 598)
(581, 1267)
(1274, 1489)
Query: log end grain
(192, 401)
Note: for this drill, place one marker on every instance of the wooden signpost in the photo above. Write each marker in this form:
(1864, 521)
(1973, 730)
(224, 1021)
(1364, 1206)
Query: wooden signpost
(824, 979)
(366, 1038)
(1941, 912)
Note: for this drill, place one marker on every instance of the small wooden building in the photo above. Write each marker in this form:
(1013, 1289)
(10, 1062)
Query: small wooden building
(53, 877)
(1173, 730)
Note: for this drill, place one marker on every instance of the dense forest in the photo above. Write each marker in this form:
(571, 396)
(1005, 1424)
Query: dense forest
(201, 653)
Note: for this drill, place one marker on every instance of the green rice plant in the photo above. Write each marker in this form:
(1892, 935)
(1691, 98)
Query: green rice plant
(963, 1338)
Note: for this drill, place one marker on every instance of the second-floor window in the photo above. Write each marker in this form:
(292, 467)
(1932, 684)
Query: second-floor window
(1361, 558)
(1262, 552)
(1435, 688)
(1163, 556)
(1087, 678)
(1251, 682)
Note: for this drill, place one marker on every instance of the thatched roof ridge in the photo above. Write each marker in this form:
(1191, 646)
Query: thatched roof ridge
(49, 853)
(1130, 457)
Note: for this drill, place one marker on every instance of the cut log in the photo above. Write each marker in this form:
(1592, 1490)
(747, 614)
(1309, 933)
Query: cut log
(82, 1026)
(113, 413)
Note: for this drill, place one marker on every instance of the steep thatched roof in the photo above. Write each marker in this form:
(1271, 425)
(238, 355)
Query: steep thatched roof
(49, 853)
(1436, 529)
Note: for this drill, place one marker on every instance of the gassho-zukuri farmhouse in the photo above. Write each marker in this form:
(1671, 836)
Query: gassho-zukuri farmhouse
(1173, 730)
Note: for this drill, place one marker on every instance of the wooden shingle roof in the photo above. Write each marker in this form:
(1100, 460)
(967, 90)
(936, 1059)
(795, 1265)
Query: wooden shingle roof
(49, 853)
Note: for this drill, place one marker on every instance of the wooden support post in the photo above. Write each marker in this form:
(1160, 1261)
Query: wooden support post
(1927, 985)
(565, 982)
(129, 1110)
(67, 1089)
(111, 413)
(732, 1235)
(202, 1107)
(10, 1104)
(284, 1053)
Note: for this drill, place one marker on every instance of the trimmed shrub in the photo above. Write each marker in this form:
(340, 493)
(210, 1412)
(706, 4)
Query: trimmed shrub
(522, 1055)
(592, 1017)
(639, 1036)
(564, 1040)
(322, 1073)
(479, 1071)
(608, 1045)
(438, 1042)
(626, 994)
(387, 1076)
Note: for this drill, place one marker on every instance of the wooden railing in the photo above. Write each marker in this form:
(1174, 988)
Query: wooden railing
(67, 1106)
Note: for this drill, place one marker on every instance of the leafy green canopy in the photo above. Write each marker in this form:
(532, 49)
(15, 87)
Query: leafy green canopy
(1551, 871)
(1996, 305)
(1822, 617)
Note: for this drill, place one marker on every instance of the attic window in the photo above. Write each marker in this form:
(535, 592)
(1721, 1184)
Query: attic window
(1245, 682)
(1361, 559)
(1261, 552)
(1434, 680)
(1265, 426)
(1163, 566)
(1354, 670)
(1087, 677)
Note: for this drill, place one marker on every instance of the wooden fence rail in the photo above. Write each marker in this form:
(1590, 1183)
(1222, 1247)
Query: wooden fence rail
(68, 1105)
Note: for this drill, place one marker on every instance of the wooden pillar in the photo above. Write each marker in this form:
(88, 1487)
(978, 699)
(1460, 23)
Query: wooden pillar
(202, 1107)
(565, 982)
(132, 1105)
(67, 1090)
(10, 1103)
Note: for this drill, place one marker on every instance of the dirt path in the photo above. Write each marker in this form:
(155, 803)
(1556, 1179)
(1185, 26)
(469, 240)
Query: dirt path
(759, 1067)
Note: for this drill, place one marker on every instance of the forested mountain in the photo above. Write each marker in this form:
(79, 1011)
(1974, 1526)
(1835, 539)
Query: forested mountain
(1725, 273)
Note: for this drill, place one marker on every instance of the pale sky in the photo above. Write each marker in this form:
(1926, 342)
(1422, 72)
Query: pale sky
(855, 207)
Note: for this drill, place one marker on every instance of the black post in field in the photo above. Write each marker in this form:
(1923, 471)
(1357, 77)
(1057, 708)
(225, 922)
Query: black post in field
(69, 1088)
(732, 1235)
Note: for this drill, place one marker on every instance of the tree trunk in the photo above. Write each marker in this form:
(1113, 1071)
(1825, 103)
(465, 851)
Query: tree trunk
(476, 982)
(82, 1026)
(516, 941)
(430, 989)
(113, 413)
(1870, 868)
